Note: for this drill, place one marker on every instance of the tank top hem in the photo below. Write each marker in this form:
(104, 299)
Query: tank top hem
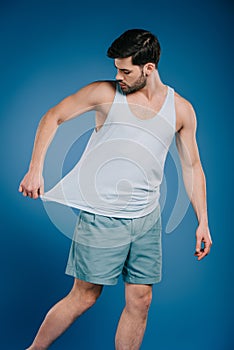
(112, 213)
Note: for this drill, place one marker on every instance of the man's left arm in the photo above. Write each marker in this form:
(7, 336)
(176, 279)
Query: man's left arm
(193, 174)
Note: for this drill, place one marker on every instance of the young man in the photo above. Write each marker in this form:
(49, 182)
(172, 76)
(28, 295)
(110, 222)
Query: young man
(120, 231)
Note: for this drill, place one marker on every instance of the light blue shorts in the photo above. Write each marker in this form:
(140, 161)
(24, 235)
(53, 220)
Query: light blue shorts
(104, 247)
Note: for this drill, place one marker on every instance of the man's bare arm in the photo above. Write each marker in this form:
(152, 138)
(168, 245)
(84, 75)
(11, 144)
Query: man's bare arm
(193, 174)
(86, 99)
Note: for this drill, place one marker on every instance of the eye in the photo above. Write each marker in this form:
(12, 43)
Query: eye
(127, 72)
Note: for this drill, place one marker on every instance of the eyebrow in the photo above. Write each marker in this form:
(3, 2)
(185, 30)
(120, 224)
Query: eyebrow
(122, 69)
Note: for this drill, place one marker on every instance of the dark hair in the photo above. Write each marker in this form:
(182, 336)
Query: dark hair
(141, 44)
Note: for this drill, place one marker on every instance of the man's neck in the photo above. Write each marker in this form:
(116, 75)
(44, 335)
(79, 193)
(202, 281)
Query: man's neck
(153, 87)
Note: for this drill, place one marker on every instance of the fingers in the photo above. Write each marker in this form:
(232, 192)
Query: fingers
(198, 252)
(41, 190)
(24, 191)
(29, 193)
(207, 246)
(35, 194)
(202, 252)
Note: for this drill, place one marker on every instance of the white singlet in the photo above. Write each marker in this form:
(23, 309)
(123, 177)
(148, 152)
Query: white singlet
(121, 169)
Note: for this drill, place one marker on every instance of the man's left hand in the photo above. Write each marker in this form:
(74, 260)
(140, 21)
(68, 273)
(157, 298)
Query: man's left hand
(204, 241)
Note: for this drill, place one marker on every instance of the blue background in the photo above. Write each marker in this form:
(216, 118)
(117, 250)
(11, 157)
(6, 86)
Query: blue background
(49, 49)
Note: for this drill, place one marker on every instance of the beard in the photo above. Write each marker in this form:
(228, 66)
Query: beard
(139, 84)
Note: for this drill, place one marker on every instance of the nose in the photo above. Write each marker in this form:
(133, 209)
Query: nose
(118, 76)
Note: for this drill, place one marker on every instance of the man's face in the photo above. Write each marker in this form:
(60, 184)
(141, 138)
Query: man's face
(130, 77)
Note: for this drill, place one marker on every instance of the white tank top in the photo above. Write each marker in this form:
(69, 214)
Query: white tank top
(121, 168)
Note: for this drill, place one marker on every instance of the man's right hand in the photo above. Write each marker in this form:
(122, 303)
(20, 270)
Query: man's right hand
(32, 185)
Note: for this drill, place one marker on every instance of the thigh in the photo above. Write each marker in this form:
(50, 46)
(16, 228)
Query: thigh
(144, 262)
(99, 248)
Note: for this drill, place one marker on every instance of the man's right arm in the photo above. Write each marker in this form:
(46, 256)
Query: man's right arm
(86, 99)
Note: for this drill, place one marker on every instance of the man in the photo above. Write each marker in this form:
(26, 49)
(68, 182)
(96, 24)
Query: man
(136, 118)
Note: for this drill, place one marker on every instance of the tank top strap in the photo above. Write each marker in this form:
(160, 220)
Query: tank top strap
(117, 111)
(120, 97)
(168, 109)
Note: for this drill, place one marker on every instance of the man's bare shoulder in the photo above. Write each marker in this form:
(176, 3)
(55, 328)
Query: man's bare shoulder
(185, 113)
(103, 91)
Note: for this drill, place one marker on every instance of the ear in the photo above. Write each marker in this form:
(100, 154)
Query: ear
(148, 69)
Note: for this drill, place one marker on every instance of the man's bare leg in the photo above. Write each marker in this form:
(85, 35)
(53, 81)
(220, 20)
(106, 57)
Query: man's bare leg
(132, 323)
(82, 296)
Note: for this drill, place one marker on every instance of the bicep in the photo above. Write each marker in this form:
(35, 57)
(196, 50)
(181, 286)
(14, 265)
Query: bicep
(186, 138)
(80, 102)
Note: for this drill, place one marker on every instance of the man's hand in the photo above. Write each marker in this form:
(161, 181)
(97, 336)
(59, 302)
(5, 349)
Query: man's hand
(32, 185)
(204, 241)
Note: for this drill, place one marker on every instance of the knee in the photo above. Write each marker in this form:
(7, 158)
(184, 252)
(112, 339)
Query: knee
(89, 298)
(139, 303)
(86, 293)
